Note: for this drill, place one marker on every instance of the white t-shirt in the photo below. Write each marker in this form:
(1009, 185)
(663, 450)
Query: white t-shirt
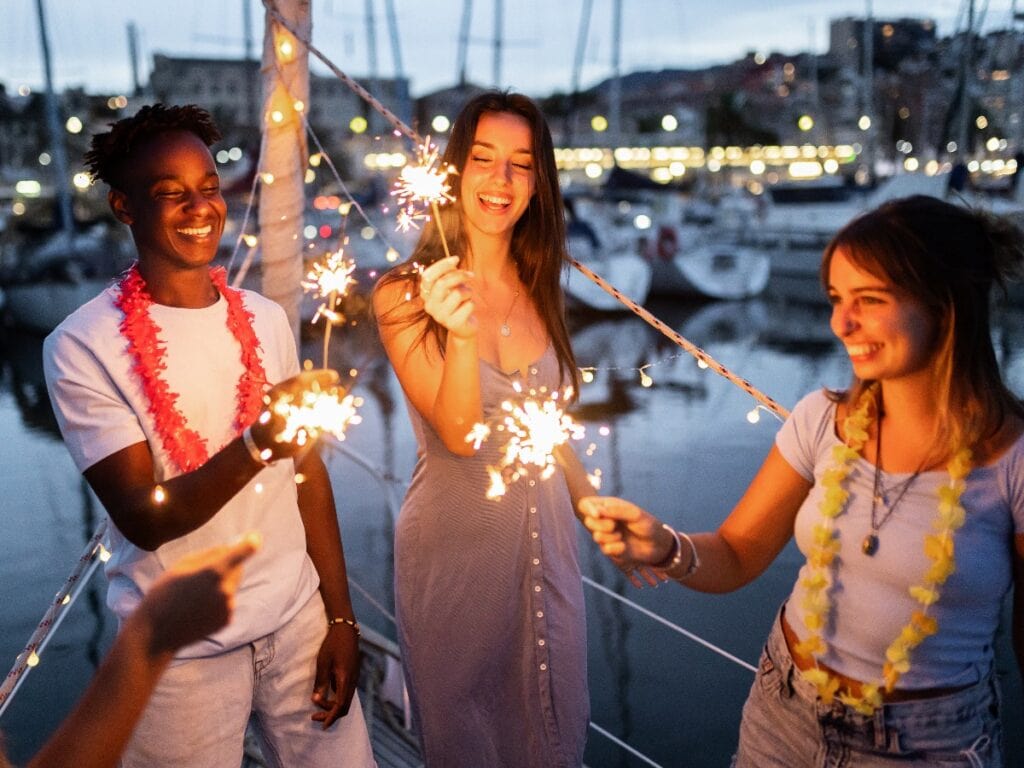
(102, 409)
(870, 598)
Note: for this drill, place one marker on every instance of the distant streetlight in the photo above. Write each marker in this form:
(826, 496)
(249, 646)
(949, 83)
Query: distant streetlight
(981, 122)
(599, 123)
(441, 123)
(805, 123)
(864, 123)
(669, 123)
(358, 124)
(73, 125)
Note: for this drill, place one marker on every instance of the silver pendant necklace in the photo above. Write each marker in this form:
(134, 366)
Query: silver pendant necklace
(506, 329)
(880, 497)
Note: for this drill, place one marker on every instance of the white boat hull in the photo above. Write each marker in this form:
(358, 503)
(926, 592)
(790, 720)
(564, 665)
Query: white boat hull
(713, 271)
(630, 274)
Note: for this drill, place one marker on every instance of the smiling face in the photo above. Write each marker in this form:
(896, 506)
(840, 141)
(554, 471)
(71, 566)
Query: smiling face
(498, 178)
(172, 202)
(888, 334)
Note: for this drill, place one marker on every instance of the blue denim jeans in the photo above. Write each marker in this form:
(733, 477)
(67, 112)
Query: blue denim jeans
(784, 724)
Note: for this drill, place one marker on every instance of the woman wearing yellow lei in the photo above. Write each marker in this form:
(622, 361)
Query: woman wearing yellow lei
(906, 494)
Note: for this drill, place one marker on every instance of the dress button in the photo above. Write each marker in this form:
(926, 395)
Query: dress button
(534, 534)
(533, 510)
(540, 614)
(533, 483)
(533, 371)
(536, 561)
(537, 588)
(540, 642)
(543, 667)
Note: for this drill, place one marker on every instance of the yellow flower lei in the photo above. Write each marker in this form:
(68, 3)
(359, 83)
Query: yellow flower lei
(938, 546)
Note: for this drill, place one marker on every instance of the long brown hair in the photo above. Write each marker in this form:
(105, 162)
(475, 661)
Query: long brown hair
(949, 258)
(538, 239)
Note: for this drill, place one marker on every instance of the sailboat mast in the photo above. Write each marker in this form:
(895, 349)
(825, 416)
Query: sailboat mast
(965, 70)
(57, 149)
(467, 15)
(868, 79)
(615, 92)
(499, 14)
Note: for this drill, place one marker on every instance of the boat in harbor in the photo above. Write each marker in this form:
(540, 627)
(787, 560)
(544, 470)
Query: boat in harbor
(54, 279)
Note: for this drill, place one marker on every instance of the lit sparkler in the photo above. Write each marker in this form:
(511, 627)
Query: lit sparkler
(330, 280)
(535, 427)
(313, 412)
(424, 182)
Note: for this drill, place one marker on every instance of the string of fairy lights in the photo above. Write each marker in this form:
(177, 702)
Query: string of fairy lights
(533, 426)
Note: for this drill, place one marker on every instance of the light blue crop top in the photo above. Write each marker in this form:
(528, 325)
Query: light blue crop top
(870, 601)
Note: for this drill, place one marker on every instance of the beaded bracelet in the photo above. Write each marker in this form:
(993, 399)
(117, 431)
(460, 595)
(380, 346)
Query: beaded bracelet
(348, 622)
(254, 450)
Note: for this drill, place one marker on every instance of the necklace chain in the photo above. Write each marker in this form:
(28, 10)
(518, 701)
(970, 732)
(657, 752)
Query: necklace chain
(505, 329)
(879, 496)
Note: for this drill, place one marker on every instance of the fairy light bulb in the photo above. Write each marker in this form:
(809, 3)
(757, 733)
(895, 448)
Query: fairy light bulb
(754, 415)
(277, 116)
(32, 660)
(702, 364)
(159, 495)
(299, 478)
(587, 375)
(391, 256)
(250, 240)
(66, 600)
(104, 554)
(645, 379)
(268, 178)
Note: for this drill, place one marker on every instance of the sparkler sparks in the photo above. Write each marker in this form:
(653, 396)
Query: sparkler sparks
(330, 280)
(423, 181)
(536, 427)
(315, 412)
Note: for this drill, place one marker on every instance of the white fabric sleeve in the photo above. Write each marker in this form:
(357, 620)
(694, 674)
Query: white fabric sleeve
(94, 417)
(805, 434)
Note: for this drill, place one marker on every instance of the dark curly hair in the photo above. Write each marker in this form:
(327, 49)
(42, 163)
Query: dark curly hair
(111, 152)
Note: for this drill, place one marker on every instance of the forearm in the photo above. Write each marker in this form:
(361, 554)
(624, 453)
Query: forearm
(323, 536)
(150, 513)
(458, 406)
(95, 733)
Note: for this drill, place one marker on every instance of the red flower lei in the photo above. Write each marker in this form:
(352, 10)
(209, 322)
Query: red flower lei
(186, 447)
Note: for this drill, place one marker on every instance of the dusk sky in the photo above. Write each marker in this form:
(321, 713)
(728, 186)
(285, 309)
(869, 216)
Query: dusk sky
(89, 39)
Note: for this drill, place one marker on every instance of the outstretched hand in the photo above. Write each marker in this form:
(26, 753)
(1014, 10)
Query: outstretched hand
(448, 296)
(196, 596)
(266, 431)
(630, 536)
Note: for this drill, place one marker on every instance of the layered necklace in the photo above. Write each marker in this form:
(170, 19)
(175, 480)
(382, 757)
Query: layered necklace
(880, 496)
(818, 576)
(183, 444)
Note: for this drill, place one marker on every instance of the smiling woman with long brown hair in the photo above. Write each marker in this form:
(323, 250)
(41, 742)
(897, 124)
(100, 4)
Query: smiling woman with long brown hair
(490, 603)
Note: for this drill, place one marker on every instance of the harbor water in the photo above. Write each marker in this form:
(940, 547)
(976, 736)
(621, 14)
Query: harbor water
(683, 448)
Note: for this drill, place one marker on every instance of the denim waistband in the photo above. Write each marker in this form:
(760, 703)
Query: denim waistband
(894, 727)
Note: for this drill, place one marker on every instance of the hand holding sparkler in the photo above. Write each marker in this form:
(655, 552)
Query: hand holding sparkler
(447, 296)
(298, 411)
